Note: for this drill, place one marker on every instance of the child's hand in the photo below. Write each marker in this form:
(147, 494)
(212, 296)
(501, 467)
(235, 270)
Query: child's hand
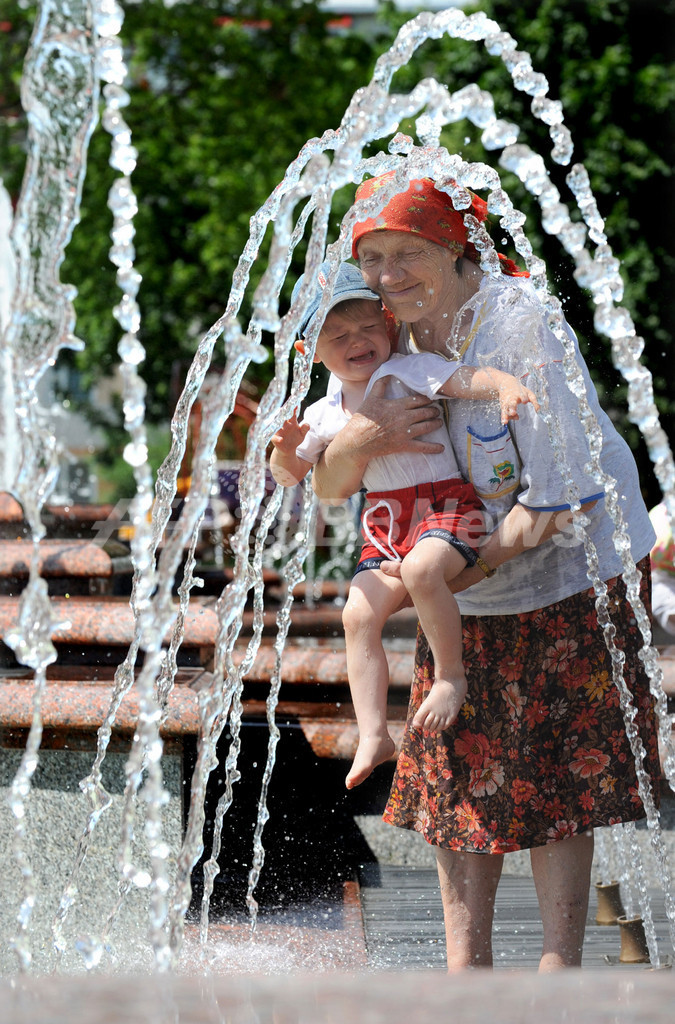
(512, 394)
(290, 436)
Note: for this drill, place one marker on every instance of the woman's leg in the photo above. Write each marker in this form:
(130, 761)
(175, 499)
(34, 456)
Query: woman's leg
(562, 877)
(373, 597)
(426, 571)
(468, 889)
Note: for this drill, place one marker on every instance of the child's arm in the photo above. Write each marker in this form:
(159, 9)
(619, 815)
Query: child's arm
(288, 469)
(487, 382)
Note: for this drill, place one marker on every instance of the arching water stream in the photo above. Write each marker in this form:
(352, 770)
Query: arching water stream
(75, 47)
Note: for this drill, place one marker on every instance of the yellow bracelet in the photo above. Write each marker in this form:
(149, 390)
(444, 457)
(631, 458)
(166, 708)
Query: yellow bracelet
(482, 564)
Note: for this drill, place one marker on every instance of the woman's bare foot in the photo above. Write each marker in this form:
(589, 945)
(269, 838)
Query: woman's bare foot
(440, 709)
(371, 751)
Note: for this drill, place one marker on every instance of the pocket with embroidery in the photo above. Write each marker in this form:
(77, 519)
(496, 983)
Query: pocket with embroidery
(494, 466)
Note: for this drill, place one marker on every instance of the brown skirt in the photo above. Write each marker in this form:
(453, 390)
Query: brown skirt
(539, 751)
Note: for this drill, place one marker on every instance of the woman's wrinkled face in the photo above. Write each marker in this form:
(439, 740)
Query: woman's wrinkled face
(416, 278)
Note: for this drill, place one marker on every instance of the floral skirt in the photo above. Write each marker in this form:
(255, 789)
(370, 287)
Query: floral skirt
(539, 751)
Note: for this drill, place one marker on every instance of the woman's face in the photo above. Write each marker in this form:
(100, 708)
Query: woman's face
(416, 278)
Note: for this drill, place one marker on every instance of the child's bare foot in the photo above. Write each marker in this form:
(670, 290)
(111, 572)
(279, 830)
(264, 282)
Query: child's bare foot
(371, 751)
(440, 709)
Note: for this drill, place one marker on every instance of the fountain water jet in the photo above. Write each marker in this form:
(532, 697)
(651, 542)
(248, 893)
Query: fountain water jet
(311, 181)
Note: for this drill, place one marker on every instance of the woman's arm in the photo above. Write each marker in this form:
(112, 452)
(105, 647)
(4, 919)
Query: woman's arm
(381, 426)
(521, 528)
(487, 382)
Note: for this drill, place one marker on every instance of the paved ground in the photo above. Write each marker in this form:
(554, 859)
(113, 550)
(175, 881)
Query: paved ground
(398, 925)
(403, 924)
(402, 909)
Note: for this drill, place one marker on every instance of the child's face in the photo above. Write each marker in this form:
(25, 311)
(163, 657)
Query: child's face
(353, 344)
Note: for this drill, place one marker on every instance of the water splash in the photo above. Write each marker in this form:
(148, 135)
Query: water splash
(343, 546)
(143, 769)
(59, 95)
(145, 760)
(369, 115)
(310, 182)
(8, 424)
(232, 774)
(293, 575)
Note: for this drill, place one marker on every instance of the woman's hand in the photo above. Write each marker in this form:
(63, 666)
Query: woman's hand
(381, 426)
(390, 425)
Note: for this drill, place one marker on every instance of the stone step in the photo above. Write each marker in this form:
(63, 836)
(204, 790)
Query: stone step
(55, 558)
(10, 509)
(63, 521)
(311, 664)
(74, 706)
(108, 621)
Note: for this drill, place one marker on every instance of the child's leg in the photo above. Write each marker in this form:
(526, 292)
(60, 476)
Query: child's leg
(373, 597)
(426, 571)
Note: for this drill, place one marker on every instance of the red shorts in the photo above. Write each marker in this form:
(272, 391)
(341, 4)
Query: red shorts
(393, 521)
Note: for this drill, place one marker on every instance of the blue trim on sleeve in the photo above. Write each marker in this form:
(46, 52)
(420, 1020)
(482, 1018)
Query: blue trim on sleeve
(562, 508)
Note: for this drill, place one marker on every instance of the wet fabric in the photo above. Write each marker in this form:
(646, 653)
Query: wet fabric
(518, 462)
(423, 373)
(539, 751)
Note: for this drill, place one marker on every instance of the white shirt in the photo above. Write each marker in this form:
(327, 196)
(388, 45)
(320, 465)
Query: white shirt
(422, 373)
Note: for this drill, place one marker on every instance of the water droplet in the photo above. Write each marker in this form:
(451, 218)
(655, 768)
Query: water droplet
(500, 134)
(115, 96)
(124, 156)
(128, 314)
(136, 454)
(108, 18)
(554, 219)
(121, 199)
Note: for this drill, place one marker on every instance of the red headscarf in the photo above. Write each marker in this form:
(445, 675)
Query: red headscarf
(424, 210)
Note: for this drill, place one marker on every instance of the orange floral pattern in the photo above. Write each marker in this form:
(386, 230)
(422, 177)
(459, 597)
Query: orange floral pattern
(539, 751)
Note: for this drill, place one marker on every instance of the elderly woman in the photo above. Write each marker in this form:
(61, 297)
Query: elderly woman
(538, 756)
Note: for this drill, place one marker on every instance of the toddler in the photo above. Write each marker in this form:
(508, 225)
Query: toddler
(418, 512)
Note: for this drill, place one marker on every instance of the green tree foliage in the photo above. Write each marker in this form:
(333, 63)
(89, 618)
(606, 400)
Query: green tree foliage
(224, 94)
